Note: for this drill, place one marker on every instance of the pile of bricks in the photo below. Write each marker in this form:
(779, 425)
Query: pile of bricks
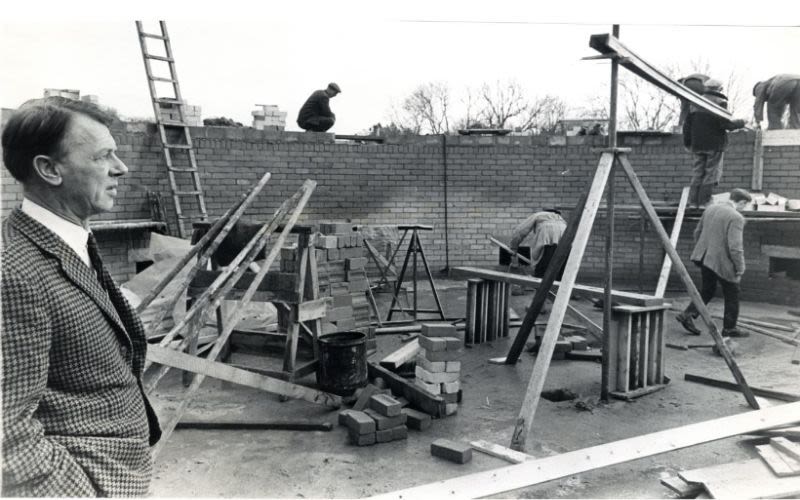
(341, 263)
(378, 417)
(268, 115)
(438, 369)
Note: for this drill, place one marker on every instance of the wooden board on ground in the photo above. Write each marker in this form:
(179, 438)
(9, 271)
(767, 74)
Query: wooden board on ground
(782, 464)
(630, 298)
(681, 487)
(788, 447)
(214, 369)
(722, 384)
(401, 356)
(537, 471)
(744, 479)
(495, 450)
(417, 397)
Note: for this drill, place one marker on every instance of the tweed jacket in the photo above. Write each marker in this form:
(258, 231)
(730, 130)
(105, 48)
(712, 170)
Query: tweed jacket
(75, 419)
(719, 240)
(547, 229)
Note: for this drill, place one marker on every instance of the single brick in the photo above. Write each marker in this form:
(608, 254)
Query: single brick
(435, 378)
(358, 285)
(382, 422)
(438, 330)
(432, 344)
(563, 346)
(333, 254)
(326, 241)
(363, 397)
(385, 405)
(453, 343)
(439, 355)
(383, 436)
(450, 408)
(355, 263)
(399, 432)
(416, 419)
(342, 301)
(403, 401)
(457, 452)
(360, 422)
(453, 366)
(432, 366)
(362, 439)
(451, 387)
(449, 397)
(343, 416)
(435, 389)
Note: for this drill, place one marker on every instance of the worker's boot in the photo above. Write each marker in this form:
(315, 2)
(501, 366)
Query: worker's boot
(688, 323)
(734, 332)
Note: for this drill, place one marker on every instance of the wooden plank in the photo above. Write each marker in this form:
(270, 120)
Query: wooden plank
(694, 294)
(471, 314)
(758, 161)
(619, 296)
(533, 472)
(542, 364)
(744, 479)
(785, 137)
(644, 349)
(787, 447)
(781, 251)
(277, 425)
(608, 44)
(495, 450)
(401, 356)
(622, 373)
(310, 310)
(221, 371)
(681, 487)
(782, 464)
(666, 266)
(763, 331)
(722, 384)
(417, 397)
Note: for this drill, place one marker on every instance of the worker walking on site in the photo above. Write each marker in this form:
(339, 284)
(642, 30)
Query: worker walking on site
(778, 92)
(316, 114)
(76, 421)
(719, 251)
(706, 136)
(545, 229)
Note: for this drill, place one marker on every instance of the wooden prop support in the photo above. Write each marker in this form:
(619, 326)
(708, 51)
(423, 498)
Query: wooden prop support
(211, 299)
(581, 236)
(537, 471)
(687, 280)
(215, 235)
(722, 384)
(304, 194)
(758, 161)
(663, 278)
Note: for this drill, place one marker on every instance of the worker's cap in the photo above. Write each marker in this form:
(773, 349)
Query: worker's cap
(714, 84)
(334, 87)
(552, 210)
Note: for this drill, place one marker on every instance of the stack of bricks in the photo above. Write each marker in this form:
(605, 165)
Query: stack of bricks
(268, 116)
(341, 273)
(438, 369)
(382, 421)
(191, 114)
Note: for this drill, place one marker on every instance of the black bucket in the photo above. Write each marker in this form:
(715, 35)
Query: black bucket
(343, 362)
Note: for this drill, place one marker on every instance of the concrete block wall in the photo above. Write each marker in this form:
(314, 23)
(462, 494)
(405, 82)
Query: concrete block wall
(492, 183)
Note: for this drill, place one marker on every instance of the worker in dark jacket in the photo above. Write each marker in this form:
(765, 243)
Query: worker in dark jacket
(706, 136)
(778, 92)
(695, 82)
(316, 114)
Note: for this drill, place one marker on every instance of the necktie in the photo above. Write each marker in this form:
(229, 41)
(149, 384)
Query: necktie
(94, 257)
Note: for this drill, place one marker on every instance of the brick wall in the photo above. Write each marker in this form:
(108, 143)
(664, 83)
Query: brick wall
(492, 183)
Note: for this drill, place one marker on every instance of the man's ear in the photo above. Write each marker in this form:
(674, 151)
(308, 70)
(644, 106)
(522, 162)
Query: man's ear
(46, 169)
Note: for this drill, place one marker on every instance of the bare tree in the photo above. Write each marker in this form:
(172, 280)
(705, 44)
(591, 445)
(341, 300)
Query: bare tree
(426, 110)
(502, 102)
(543, 114)
(646, 107)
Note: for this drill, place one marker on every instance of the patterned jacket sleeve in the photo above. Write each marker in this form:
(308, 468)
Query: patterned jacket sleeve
(736, 244)
(32, 464)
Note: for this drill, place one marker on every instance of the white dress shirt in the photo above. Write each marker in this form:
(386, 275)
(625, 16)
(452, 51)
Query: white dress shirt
(74, 236)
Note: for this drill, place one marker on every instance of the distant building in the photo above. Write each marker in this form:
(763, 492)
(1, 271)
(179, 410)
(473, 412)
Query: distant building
(68, 93)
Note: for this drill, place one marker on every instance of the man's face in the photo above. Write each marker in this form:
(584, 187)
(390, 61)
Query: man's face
(89, 168)
(740, 205)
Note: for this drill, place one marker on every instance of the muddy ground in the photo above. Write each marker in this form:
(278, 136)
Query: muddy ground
(293, 464)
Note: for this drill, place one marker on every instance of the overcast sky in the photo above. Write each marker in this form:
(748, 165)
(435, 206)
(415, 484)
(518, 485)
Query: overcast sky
(231, 55)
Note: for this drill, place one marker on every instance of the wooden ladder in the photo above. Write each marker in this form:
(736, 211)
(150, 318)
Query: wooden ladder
(175, 136)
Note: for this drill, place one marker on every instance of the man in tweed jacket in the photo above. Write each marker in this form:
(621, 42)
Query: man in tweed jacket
(75, 419)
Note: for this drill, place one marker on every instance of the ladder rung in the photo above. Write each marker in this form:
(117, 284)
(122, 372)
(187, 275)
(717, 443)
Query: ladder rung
(181, 169)
(170, 123)
(177, 146)
(162, 79)
(189, 193)
(151, 35)
(195, 216)
(167, 100)
(159, 58)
